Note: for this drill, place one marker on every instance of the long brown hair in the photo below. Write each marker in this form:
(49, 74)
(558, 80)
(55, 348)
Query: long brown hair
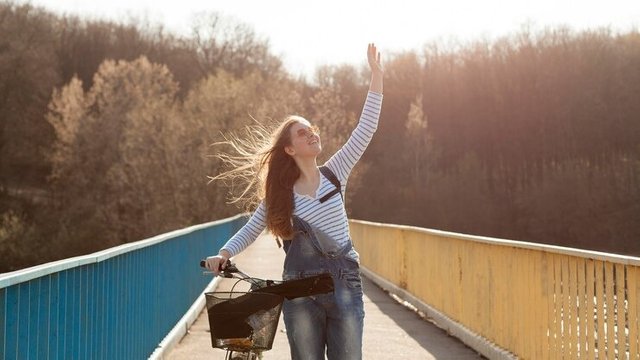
(265, 171)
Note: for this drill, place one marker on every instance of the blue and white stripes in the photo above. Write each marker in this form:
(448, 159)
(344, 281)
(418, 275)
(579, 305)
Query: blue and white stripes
(330, 216)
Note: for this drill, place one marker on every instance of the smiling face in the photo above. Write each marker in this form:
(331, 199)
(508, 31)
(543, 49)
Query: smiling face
(305, 140)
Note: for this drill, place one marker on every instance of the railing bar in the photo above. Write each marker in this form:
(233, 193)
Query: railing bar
(582, 306)
(545, 287)
(108, 304)
(142, 291)
(50, 302)
(503, 330)
(62, 310)
(566, 309)
(517, 339)
(129, 308)
(54, 316)
(621, 323)
(117, 339)
(632, 311)
(560, 342)
(138, 279)
(29, 317)
(125, 306)
(3, 325)
(98, 309)
(34, 309)
(77, 313)
(523, 291)
(84, 299)
(102, 296)
(44, 307)
(91, 310)
(591, 314)
(609, 281)
(573, 308)
(23, 325)
(550, 323)
(535, 277)
(636, 306)
(534, 347)
(600, 285)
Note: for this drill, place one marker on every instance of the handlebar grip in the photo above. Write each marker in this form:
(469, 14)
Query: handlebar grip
(228, 265)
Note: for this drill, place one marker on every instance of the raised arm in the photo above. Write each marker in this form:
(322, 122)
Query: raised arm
(343, 161)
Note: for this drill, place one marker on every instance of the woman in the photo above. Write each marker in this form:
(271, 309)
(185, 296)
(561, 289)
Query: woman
(315, 230)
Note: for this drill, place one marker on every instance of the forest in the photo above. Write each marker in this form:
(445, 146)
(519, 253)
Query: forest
(106, 132)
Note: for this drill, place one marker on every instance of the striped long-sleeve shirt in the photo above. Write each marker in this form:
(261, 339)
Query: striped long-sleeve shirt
(330, 216)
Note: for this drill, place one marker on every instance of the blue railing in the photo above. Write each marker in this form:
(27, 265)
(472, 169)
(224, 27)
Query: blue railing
(115, 304)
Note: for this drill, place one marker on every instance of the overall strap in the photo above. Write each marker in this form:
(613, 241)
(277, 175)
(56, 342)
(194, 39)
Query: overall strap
(334, 180)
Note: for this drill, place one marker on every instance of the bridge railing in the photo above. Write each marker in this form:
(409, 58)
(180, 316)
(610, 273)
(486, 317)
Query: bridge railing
(115, 304)
(534, 301)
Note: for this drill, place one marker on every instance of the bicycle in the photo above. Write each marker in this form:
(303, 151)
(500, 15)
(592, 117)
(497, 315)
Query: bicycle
(244, 323)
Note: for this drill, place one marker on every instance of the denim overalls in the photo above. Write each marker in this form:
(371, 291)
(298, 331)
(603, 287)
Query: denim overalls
(334, 320)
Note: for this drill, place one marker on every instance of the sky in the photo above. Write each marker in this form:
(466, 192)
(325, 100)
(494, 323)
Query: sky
(307, 34)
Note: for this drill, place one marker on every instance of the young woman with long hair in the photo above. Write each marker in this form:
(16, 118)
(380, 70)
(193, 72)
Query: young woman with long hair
(299, 204)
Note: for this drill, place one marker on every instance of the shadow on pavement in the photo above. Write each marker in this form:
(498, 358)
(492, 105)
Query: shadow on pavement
(394, 323)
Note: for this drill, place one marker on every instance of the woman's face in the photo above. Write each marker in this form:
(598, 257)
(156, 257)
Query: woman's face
(305, 140)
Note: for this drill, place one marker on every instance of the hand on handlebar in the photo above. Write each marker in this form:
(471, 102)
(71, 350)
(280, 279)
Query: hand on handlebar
(216, 263)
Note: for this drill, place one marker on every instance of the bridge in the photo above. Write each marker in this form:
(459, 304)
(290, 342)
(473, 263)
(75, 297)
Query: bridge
(429, 294)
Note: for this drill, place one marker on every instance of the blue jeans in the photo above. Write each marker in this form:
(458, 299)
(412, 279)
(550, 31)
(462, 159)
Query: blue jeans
(333, 322)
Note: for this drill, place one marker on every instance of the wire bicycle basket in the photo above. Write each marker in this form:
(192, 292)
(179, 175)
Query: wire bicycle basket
(243, 321)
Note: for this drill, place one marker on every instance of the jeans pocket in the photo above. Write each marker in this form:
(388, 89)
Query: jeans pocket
(352, 279)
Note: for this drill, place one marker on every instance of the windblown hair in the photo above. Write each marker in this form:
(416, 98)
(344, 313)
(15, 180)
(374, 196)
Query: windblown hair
(265, 172)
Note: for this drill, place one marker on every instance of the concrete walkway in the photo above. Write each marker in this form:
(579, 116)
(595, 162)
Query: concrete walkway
(391, 330)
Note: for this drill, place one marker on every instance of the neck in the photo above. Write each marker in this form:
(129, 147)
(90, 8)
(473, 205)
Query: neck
(308, 168)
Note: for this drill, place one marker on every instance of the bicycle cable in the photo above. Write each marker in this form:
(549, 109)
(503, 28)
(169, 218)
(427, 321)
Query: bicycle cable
(251, 280)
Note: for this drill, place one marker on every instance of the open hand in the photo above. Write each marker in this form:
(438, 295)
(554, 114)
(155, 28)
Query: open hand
(373, 56)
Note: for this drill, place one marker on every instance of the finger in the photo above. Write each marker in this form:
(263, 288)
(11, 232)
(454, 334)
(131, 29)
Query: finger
(214, 265)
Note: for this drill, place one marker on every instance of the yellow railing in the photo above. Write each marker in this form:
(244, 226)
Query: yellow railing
(535, 301)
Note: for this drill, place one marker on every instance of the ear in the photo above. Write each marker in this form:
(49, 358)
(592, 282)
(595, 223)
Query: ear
(289, 150)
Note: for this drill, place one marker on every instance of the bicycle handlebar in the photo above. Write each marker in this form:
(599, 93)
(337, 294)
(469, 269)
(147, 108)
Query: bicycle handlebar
(291, 289)
(228, 269)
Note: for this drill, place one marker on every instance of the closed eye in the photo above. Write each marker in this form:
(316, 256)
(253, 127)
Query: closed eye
(308, 131)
